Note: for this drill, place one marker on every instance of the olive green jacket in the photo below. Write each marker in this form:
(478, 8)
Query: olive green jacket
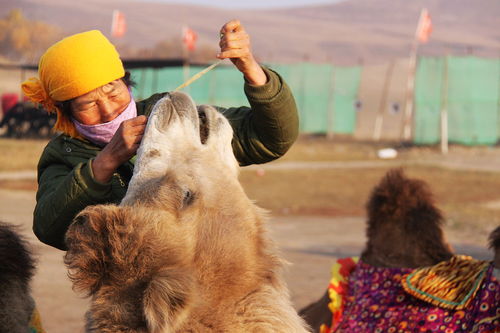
(66, 184)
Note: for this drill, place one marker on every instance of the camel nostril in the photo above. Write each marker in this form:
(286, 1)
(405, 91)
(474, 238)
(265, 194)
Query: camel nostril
(164, 114)
(188, 198)
(204, 130)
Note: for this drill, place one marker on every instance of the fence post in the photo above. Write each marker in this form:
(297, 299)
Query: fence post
(377, 132)
(498, 102)
(444, 108)
(303, 95)
(331, 106)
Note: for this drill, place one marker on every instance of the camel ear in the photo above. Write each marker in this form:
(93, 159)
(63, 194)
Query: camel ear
(87, 242)
(167, 300)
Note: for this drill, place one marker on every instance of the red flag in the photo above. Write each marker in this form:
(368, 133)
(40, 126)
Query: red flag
(424, 26)
(118, 25)
(189, 38)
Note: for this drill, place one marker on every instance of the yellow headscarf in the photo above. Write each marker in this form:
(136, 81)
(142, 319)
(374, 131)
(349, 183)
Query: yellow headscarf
(70, 68)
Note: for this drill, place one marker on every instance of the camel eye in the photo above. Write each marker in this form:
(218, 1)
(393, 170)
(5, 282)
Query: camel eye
(188, 198)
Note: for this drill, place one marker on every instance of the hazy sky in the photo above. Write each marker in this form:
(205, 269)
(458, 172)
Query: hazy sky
(251, 3)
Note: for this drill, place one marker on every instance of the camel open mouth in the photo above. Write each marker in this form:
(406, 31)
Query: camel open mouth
(204, 128)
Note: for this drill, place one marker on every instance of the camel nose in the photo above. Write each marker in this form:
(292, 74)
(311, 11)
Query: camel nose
(185, 108)
(163, 114)
(172, 108)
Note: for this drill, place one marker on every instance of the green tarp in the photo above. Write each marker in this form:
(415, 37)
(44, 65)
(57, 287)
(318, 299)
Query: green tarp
(468, 87)
(325, 94)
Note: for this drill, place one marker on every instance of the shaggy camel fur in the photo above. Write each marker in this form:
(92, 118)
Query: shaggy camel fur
(404, 225)
(495, 246)
(404, 230)
(16, 270)
(186, 250)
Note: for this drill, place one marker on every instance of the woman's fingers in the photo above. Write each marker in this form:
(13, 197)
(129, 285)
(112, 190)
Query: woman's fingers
(231, 26)
(233, 53)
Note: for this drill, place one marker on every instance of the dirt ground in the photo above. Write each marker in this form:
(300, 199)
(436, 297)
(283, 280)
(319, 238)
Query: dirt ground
(310, 244)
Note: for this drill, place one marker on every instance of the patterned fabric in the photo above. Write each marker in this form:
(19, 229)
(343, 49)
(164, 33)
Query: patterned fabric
(36, 323)
(377, 302)
(450, 284)
(337, 290)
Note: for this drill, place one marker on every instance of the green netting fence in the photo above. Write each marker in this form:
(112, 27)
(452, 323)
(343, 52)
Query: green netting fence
(325, 94)
(468, 88)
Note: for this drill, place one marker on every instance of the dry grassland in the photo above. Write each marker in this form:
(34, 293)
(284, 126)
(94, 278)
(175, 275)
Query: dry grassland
(321, 210)
(469, 199)
(20, 155)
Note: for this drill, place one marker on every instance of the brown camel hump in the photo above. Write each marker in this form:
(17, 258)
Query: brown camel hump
(495, 246)
(495, 239)
(405, 201)
(404, 224)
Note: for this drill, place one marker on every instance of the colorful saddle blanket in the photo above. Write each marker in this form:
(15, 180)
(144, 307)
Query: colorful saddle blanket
(36, 323)
(451, 284)
(376, 301)
(337, 291)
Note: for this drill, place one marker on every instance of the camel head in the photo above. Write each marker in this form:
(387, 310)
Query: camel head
(181, 142)
(185, 234)
(186, 169)
(190, 145)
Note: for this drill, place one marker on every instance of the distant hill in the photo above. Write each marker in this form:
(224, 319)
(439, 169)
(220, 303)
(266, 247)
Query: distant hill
(348, 32)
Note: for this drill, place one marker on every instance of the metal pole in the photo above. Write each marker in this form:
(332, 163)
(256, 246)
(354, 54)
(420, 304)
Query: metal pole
(302, 95)
(498, 102)
(185, 66)
(410, 87)
(377, 132)
(331, 106)
(444, 108)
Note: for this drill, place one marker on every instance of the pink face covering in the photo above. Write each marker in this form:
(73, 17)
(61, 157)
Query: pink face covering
(101, 134)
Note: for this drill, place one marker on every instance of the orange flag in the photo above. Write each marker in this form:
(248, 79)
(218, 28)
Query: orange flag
(189, 38)
(118, 25)
(424, 26)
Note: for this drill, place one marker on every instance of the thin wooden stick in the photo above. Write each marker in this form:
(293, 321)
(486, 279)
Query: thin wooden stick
(198, 75)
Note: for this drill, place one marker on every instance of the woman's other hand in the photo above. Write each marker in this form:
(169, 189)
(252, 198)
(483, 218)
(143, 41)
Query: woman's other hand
(120, 149)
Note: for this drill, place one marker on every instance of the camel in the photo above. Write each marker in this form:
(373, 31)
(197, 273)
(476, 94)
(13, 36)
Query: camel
(404, 239)
(495, 246)
(17, 266)
(185, 250)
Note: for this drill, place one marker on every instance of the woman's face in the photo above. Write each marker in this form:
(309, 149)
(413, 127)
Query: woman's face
(101, 105)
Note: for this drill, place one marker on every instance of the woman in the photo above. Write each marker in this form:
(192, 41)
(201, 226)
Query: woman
(82, 79)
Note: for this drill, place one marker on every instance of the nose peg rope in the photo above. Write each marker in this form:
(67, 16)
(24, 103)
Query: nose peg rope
(198, 75)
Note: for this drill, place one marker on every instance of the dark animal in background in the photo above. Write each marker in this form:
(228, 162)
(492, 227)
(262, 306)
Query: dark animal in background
(16, 270)
(24, 120)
